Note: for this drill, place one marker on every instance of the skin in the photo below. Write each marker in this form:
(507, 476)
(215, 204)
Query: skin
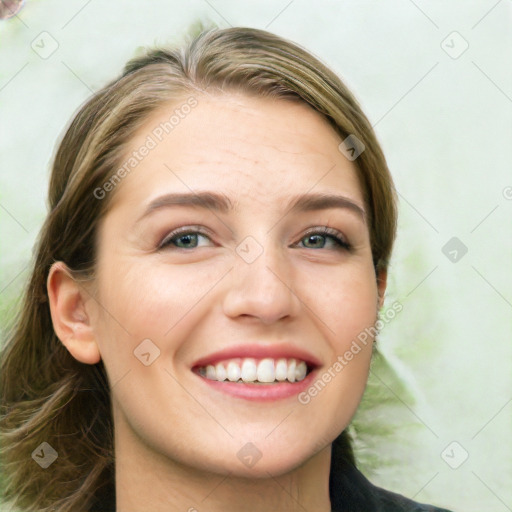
(177, 438)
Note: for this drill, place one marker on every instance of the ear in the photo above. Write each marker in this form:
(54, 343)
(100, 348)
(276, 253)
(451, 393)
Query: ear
(69, 315)
(382, 279)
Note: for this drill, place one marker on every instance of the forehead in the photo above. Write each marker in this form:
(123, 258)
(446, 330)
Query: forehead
(244, 146)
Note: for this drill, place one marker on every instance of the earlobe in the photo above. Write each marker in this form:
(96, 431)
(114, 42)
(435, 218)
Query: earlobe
(382, 278)
(70, 318)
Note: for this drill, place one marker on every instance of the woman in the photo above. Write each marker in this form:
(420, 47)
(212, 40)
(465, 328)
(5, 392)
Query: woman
(221, 221)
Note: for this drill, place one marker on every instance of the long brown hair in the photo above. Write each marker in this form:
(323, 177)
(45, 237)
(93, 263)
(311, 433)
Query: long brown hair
(46, 395)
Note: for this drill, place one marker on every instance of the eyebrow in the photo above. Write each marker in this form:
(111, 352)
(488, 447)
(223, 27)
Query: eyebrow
(221, 203)
(319, 201)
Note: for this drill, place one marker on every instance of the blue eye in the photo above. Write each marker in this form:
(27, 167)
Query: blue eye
(319, 236)
(189, 238)
(184, 238)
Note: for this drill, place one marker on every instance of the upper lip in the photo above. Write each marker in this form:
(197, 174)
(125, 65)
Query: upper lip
(259, 351)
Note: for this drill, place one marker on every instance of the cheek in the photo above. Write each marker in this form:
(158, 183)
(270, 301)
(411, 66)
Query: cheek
(345, 310)
(151, 297)
(343, 301)
(145, 301)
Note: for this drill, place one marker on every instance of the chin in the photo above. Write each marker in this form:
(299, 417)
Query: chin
(271, 459)
(272, 465)
(247, 460)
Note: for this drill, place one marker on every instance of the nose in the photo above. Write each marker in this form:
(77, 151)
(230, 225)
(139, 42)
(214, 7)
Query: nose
(262, 289)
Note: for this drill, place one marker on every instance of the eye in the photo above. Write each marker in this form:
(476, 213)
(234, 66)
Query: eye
(317, 238)
(183, 238)
(189, 237)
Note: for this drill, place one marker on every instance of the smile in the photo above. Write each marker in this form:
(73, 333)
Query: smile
(263, 371)
(257, 371)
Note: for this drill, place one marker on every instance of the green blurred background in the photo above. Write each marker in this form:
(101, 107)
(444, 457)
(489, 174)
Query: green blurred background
(435, 81)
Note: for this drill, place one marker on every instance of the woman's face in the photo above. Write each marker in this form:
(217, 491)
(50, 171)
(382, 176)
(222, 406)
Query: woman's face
(213, 253)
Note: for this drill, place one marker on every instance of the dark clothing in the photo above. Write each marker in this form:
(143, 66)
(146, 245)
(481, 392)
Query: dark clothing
(349, 489)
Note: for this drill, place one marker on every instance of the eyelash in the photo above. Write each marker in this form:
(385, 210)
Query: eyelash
(324, 231)
(333, 234)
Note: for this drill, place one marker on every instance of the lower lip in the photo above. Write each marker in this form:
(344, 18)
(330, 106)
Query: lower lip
(261, 392)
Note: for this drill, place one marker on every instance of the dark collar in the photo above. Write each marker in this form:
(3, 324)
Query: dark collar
(351, 491)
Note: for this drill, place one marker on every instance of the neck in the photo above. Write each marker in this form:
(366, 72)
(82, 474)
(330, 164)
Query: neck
(149, 481)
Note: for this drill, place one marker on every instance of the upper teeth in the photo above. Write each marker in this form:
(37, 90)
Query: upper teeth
(250, 370)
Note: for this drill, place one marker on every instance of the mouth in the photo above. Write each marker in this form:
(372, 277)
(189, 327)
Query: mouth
(257, 372)
(249, 370)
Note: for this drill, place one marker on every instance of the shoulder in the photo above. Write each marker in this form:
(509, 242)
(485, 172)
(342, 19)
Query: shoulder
(351, 491)
(392, 502)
